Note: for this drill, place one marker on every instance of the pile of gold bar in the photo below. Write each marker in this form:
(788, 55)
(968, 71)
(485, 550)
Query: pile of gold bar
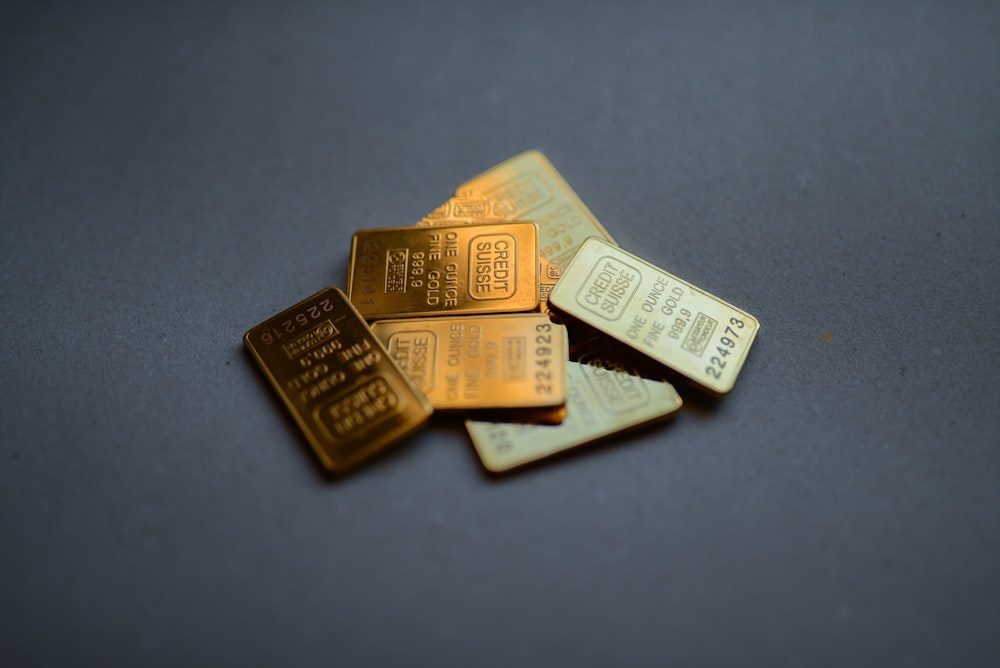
(509, 304)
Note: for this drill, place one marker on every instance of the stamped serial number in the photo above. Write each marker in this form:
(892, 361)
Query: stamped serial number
(295, 322)
(726, 343)
(543, 353)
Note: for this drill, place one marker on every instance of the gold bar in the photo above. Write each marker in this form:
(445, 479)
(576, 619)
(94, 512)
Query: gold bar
(479, 362)
(600, 402)
(336, 379)
(694, 333)
(400, 272)
(525, 187)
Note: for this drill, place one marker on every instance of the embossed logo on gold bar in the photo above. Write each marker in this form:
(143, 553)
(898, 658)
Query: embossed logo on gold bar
(359, 409)
(315, 336)
(395, 270)
(701, 332)
(608, 288)
(493, 271)
(618, 390)
(464, 207)
(520, 195)
(415, 352)
(470, 208)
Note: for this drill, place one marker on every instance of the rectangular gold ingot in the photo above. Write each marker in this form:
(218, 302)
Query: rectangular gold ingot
(694, 333)
(525, 187)
(403, 272)
(481, 362)
(336, 379)
(600, 402)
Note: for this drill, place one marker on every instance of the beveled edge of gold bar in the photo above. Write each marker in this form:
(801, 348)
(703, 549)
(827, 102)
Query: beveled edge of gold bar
(539, 157)
(339, 466)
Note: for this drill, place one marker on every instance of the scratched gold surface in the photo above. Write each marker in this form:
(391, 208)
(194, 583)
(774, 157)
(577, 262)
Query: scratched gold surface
(479, 362)
(525, 187)
(694, 333)
(458, 270)
(601, 401)
(336, 379)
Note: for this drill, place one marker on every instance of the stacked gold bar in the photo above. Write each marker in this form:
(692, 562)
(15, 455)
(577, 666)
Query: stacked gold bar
(510, 305)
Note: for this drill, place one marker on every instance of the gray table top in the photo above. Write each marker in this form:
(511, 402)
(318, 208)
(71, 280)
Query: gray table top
(174, 174)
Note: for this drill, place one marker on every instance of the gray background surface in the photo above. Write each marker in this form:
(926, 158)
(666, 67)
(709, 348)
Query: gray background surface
(173, 174)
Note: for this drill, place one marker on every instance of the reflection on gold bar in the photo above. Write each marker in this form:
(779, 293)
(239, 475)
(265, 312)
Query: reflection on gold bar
(475, 362)
(600, 402)
(525, 187)
(458, 270)
(336, 379)
(692, 332)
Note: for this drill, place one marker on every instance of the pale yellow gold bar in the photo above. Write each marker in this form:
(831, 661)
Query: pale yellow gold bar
(600, 402)
(694, 333)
